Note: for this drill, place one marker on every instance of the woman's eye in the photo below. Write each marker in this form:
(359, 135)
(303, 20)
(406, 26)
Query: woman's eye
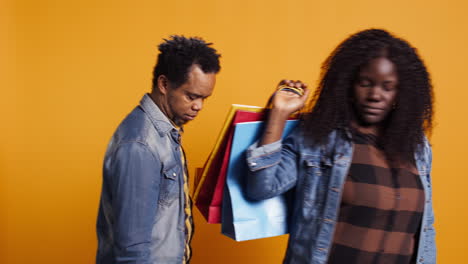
(388, 87)
(365, 84)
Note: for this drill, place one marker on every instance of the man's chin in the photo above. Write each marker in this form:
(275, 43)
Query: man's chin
(180, 122)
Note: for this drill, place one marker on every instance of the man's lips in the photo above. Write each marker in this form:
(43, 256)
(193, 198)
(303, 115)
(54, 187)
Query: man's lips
(190, 117)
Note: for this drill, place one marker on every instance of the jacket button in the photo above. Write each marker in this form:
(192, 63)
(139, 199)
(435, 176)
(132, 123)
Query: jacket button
(174, 174)
(253, 164)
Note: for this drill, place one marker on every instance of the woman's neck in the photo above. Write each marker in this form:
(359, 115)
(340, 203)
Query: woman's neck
(376, 130)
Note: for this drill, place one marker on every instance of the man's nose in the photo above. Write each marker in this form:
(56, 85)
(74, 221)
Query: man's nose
(197, 104)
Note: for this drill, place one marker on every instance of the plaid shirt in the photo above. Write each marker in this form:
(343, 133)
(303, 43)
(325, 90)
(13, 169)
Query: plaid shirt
(381, 209)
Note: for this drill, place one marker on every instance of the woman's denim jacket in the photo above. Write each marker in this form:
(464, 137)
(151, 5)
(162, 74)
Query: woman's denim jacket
(141, 214)
(318, 175)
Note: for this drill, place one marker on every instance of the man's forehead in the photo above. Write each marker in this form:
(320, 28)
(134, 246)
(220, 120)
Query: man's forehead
(199, 83)
(195, 69)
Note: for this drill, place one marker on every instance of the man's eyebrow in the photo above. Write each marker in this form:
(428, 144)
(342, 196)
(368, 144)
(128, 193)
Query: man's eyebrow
(193, 94)
(198, 95)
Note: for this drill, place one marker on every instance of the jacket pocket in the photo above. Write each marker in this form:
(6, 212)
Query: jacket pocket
(169, 184)
(313, 182)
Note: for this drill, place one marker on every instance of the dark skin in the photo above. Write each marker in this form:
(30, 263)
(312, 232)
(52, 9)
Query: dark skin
(375, 92)
(284, 103)
(182, 104)
(374, 96)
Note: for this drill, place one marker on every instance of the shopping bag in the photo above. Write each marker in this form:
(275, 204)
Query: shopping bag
(205, 184)
(242, 218)
(214, 214)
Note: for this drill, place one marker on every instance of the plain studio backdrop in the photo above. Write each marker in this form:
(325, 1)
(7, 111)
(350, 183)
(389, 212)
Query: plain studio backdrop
(71, 70)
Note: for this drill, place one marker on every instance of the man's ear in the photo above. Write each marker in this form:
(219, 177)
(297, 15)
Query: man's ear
(163, 84)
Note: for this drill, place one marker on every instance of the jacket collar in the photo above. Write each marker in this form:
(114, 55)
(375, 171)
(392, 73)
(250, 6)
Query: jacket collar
(160, 121)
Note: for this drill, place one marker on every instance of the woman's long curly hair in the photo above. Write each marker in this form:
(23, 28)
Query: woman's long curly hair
(331, 105)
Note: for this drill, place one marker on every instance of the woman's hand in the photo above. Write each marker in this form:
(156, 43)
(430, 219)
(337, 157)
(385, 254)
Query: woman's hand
(287, 102)
(284, 103)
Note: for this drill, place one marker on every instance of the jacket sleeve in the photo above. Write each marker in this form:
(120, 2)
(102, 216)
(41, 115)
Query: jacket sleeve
(135, 183)
(273, 168)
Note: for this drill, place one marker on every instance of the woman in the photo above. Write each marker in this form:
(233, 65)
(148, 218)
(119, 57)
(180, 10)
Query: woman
(359, 164)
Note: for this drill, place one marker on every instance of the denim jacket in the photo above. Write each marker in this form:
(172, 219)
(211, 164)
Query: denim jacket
(141, 212)
(318, 175)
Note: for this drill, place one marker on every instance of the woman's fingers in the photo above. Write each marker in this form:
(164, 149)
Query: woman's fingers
(292, 87)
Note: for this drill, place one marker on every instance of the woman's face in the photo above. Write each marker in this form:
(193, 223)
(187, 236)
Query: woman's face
(375, 91)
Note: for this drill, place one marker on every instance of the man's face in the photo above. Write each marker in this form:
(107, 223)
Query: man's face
(184, 102)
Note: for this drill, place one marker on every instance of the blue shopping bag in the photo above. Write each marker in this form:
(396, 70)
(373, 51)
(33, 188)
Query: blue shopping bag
(242, 218)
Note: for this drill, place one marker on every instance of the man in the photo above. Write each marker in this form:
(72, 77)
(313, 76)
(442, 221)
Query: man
(145, 210)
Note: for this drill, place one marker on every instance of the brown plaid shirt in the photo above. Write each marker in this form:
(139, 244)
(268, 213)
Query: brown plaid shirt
(381, 209)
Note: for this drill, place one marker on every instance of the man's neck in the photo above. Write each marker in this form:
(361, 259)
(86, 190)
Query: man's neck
(160, 103)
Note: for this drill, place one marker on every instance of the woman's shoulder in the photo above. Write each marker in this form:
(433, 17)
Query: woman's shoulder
(304, 141)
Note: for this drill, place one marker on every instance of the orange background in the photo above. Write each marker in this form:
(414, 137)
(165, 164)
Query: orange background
(71, 70)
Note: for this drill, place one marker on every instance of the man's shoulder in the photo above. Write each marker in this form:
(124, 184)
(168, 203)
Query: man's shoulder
(138, 128)
(135, 127)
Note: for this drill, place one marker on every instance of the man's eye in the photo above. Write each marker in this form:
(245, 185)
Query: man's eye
(365, 84)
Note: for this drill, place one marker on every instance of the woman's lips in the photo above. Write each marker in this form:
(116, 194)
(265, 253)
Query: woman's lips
(372, 110)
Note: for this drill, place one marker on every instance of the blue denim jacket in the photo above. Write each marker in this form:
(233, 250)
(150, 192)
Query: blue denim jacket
(141, 213)
(318, 175)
